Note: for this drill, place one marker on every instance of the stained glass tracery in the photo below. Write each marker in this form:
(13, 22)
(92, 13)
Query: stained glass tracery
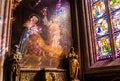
(117, 43)
(103, 48)
(116, 21)
(98, 9)
(101, 27)
(106, 25)
(114, 4)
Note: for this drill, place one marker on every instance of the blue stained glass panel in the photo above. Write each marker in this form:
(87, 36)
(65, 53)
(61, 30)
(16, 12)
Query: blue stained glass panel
(116, 21)
(98, 9)
(103, 48)
(117, 43)
(101, 27)
(114, 5)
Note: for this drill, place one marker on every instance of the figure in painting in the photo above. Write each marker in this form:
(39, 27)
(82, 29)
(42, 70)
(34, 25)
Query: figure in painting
(73, 65)
(33, 46)
(54, 31)
(42, 43)
(31, 28)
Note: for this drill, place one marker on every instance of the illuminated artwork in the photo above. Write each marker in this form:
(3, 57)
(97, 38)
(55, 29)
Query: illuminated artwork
(117, 43)
(101, 30)
(103, 48)
(116, 21)
(47, 35)
(101, 27)
(114, 4)
(98, 9)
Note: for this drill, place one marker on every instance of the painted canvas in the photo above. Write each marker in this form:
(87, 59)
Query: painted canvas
(45, 32)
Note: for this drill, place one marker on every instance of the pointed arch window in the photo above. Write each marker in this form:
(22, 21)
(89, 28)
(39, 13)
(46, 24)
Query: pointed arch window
(105, 16)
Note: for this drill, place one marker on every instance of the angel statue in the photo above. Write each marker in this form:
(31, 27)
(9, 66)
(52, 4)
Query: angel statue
(15, 66)
(73, 65)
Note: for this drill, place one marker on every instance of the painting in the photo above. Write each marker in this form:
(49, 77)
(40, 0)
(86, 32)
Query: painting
(42, 30)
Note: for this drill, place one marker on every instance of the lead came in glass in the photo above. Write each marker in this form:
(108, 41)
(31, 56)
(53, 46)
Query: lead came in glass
(117, 43)
(101, 27)
(103, 48)
(116, 21)
(98, 9)
(114, 4)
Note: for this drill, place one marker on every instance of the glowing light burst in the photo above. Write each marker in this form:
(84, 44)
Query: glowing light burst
(62, 12)
(63, 17)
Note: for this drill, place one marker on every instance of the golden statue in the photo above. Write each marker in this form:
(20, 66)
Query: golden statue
(73, 65)
(15, 67)
(50, 76)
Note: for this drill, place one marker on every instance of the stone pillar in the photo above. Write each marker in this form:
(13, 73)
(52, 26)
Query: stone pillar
(5, 13)
(2, 5)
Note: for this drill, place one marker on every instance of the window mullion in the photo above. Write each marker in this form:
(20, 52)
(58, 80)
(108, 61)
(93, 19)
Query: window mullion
(110, 29)
(92, 34)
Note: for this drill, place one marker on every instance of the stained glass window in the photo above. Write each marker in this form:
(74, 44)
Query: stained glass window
(116, 21)
(103, 48)
(117, 43)
(101, 27)
(114, 4)
(98, 9)
(106, 26)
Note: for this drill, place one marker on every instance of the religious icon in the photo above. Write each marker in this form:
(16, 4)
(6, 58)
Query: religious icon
(34, 46)
(46, 32)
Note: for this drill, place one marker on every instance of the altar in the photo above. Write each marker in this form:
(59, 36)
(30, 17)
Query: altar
(45, 74)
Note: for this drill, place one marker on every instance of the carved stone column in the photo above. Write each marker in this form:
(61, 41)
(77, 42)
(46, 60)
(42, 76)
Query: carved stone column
(5, 14)
(2, 3)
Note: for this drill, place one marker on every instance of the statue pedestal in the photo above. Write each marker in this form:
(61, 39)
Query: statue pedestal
(45, 74)
(54, 74)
